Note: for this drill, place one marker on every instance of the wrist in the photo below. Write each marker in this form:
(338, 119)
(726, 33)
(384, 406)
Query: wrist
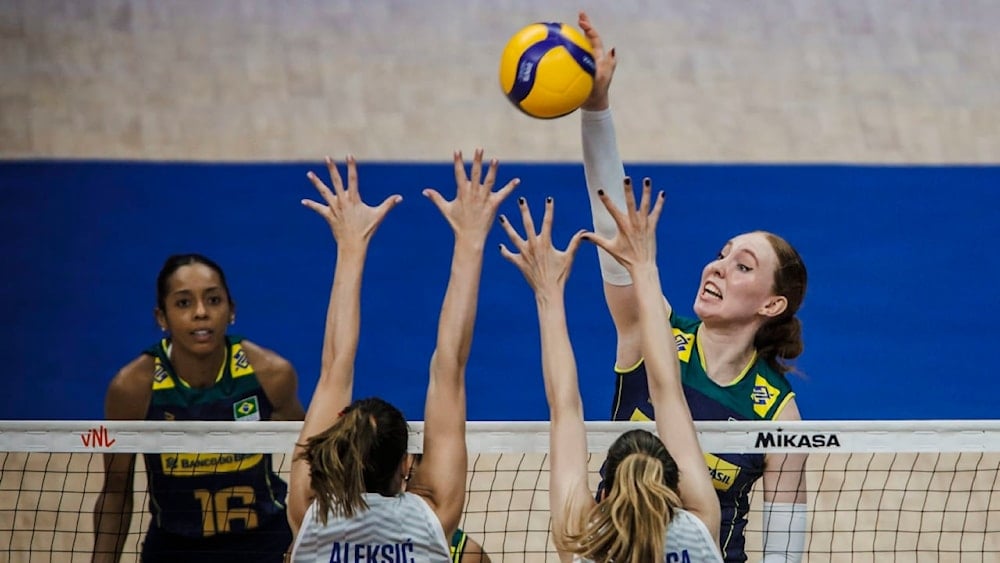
(597, 103)
(644, 271)
(646, 281)
(548, 297)
(469, 243)
(351, 254)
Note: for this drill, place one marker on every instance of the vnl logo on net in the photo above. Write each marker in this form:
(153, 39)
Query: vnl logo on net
(97, 438)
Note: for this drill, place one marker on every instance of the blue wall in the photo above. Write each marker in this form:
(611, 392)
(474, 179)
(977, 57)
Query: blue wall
(901, 318)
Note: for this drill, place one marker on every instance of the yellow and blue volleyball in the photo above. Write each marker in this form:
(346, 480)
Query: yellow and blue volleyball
(547, 69)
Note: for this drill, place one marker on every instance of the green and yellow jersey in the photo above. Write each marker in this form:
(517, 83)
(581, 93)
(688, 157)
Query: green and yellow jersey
(458, 540)
(758, 393)
(204, 494)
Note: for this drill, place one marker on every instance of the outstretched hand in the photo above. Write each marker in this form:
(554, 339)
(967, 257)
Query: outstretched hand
(544, 267)
(475, 205)
(635, 243)
(352, 221)
(604, 62)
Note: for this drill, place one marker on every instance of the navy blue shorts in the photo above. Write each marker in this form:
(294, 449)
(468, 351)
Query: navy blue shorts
(267, 543)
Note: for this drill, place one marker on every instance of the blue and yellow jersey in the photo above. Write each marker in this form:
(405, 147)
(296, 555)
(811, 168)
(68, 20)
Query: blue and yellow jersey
(458, 540)
(758, 393)
(203, 494)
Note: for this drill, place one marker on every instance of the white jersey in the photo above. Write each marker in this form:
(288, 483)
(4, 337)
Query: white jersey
(399, 528)
(688, 541)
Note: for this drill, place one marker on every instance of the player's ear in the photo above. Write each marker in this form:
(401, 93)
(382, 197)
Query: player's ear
(774, 306)
(408, 465)
(161, 318)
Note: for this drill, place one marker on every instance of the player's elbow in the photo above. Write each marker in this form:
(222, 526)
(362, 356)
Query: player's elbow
(568, 408)
(563, 399)
(448, 364)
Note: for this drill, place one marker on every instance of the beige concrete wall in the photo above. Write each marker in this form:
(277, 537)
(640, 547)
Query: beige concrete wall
(764, 80)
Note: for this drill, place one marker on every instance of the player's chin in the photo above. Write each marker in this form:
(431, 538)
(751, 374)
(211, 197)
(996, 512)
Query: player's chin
(706, 309)
(701, 307)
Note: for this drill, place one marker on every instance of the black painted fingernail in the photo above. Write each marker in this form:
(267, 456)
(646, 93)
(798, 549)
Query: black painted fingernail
(548, 199)
(501, 219)
(520, 200)
(647, 182)
(600, 192)
(628, 181)
(663, 195)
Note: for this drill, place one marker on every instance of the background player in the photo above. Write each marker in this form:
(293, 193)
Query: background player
(197, 372)
(732, 358)
(348, 472)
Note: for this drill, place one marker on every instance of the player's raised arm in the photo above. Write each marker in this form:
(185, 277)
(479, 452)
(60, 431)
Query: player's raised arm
(441, 479)
(352, 223)
(604, 171)
(546, 271)
(635, 248)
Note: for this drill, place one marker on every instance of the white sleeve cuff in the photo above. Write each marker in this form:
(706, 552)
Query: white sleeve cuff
(784, 532)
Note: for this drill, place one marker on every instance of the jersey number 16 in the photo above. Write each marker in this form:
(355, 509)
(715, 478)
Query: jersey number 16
(221, 509)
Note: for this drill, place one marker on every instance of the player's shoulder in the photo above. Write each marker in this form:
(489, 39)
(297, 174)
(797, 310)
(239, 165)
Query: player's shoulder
(773, 377)
(131, 388)
(136, 373)
(266, 362)
(772, 392)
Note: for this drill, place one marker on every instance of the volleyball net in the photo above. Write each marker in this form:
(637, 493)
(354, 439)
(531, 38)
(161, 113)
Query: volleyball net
(877, 490)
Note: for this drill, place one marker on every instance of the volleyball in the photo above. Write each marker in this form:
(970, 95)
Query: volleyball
(547, 69)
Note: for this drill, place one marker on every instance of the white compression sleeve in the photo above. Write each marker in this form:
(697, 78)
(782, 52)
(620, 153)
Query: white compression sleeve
(784, 532)
(603, 169)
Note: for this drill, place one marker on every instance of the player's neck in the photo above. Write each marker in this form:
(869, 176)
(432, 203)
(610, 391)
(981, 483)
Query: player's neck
(726, 350)
(197, 371)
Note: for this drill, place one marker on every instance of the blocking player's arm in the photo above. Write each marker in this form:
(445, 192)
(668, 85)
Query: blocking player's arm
(445, 458)
(127, 398)
(785, 507)
(353, 223)
(569, 495)
(674, 423)
(546, 271)
(336, 380)
(441, 481)
(635, 246)
(278, 380)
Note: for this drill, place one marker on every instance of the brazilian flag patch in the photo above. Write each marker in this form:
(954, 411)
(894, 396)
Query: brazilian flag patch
(247, 409)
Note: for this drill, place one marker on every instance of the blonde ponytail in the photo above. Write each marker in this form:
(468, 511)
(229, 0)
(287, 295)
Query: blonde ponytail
(629, 525)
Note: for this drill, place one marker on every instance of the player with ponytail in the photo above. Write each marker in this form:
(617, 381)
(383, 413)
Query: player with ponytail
(349, 494)
(658, 503)
(734, 356)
